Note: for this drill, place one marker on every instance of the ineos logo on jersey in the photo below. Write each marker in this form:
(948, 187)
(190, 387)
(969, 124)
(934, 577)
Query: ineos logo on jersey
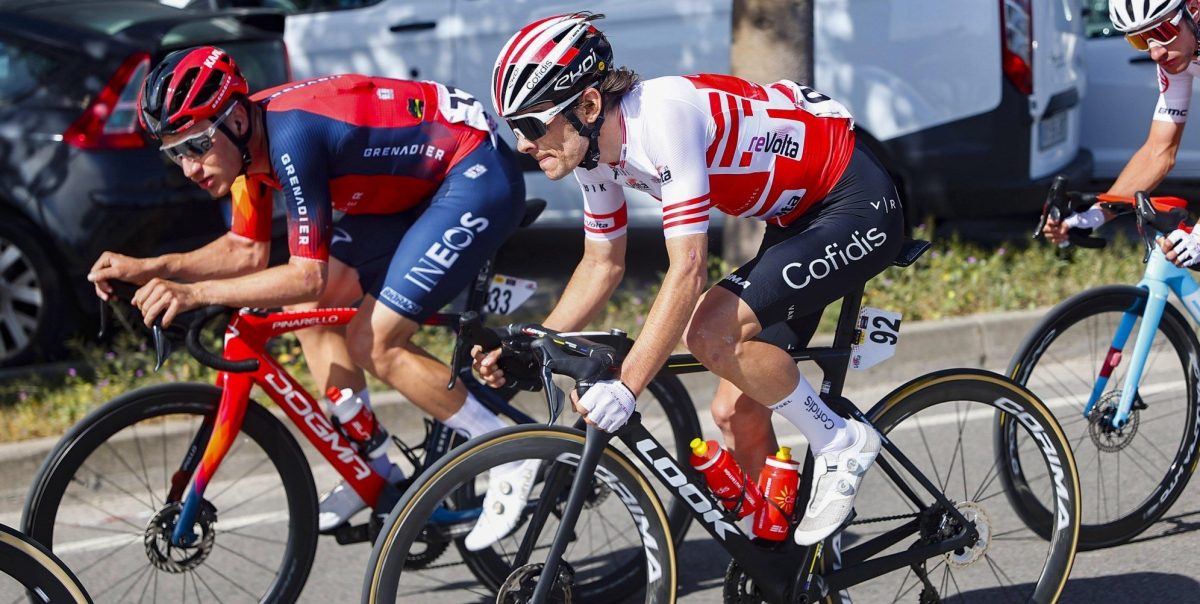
(799, 274)
(303, 85)
(443, 254)
(568, 79)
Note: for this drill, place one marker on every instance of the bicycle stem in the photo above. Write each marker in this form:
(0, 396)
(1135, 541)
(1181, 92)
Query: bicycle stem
(593, 447)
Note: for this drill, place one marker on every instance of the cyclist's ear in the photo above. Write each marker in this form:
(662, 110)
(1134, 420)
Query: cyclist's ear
(589, 106)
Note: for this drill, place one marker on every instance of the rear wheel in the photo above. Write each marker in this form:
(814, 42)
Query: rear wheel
(98, 502)
(942, 424)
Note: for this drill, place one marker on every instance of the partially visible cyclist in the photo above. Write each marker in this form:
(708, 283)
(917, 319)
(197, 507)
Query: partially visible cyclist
(781, 153)
(1167, 29)
(396, 191)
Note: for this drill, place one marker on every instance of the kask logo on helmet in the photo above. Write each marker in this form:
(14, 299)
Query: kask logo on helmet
(211, 61)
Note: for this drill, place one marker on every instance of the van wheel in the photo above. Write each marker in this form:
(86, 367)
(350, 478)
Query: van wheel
(31, 297)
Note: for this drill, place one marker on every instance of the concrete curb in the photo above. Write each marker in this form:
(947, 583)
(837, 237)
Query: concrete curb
(985, 341)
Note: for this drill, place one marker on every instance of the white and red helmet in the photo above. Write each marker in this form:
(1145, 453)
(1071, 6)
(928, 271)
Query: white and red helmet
(1132, 16)
(552, 59)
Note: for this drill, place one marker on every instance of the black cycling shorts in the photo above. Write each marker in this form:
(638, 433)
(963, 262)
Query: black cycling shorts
(843, 241)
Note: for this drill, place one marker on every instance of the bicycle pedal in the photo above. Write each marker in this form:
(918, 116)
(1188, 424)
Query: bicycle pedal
(347, 534)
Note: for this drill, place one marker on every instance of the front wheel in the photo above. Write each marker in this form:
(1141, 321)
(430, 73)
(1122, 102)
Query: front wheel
(1132, 475)
(620, 549)
(98, 502)
(942, 423)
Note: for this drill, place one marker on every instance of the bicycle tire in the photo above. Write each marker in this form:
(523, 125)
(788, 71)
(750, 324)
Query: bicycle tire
(899, 416)
(650, 564)
(1044, 361)
(42, 575)
(86, 500)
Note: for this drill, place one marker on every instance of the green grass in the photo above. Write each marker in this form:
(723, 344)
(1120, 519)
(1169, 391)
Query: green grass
(952, 279)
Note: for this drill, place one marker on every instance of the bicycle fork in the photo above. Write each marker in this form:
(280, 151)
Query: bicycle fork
(1161, 278)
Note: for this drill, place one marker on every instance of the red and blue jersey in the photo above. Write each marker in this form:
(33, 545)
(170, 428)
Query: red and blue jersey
(357, 144)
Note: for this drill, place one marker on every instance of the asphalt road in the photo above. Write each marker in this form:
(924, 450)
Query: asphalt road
(1156, 566)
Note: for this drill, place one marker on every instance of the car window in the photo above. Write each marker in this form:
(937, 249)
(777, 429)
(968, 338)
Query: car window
(26, 69)
(1096, 23)
(288, 6)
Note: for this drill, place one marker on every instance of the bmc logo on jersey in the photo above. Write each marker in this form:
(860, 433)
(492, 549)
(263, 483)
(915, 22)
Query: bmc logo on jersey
(776, 143)
(1173, 112)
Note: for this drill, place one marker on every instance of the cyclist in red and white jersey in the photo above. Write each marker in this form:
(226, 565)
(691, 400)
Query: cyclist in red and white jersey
(782, 153)
(1167, 29)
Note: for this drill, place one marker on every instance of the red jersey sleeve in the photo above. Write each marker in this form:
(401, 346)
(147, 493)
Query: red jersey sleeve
(251, 209)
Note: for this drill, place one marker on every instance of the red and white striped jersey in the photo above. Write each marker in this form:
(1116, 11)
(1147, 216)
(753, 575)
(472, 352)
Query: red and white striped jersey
(704, 141)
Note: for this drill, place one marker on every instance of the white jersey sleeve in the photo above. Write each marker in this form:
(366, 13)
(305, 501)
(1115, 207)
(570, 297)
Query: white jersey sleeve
(1174, 96)
(676, 135)
(604, 212)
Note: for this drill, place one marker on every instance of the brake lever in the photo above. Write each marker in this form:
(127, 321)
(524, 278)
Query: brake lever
(554, 394)
(162, 345)
(470, 332)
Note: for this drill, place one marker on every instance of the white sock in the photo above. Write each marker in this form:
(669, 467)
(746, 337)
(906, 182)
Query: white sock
(474, 419)
(824, 429)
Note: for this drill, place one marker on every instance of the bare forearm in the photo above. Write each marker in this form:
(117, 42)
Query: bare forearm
(297, 281)
(669, 315)
(1147, 168)
(590, 286)
(227, 256)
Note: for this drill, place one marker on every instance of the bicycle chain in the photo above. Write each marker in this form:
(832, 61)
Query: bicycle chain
(885, 518)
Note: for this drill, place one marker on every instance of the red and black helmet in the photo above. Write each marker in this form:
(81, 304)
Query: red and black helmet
(189, 86)
(551, 59)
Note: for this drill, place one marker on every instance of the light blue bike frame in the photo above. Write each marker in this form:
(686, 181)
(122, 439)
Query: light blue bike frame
(1160, 279)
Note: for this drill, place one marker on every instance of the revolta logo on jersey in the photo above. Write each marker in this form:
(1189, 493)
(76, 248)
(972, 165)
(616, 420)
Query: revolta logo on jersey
(779, 144)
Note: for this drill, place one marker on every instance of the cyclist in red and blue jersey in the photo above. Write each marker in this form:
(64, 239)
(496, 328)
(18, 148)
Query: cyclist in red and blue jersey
(781, 153)
(396, 193)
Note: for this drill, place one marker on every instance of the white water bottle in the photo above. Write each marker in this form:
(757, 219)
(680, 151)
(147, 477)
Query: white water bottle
(359, 424)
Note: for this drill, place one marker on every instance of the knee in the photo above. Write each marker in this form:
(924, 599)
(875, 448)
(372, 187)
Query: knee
(710, 342)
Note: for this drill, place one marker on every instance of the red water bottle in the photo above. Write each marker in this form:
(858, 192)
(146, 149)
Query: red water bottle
(725, 479)
(778, 481)
(358, 422)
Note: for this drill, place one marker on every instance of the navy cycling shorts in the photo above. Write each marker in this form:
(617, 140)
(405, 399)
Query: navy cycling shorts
(834, 248)
(417, 261)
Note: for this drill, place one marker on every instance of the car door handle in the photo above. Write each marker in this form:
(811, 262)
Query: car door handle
(411, 26)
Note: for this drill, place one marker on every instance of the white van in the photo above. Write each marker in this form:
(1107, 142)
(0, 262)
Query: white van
(974, 104)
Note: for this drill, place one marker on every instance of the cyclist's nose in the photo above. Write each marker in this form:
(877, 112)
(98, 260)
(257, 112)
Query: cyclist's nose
(1158, 53)
(190, 166)
(525, 145)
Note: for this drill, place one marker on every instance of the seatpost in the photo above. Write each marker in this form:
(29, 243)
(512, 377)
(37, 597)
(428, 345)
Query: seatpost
(593, 447)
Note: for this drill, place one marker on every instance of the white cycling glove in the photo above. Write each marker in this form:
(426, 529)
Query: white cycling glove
(608, 404)
(1087, 219)
(1186, 247)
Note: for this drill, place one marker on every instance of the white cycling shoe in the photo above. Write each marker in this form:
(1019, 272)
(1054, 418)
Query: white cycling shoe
(836, 477)
(503, 504)
(342, 502)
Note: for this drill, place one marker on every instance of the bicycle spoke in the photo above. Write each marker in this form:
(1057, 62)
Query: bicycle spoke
(228, 580)
(145, 482)
(268, 489)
